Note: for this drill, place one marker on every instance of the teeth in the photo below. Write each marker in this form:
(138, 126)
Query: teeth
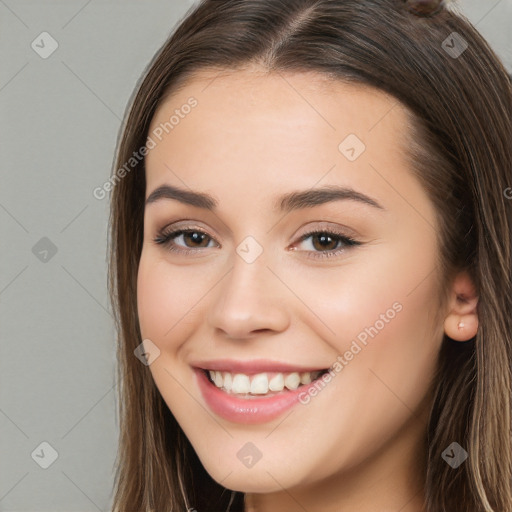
(305, 378)
(260, 384)
(228, 381)
(241, 383)
(276, 383)
(292, 380)
(217, 379)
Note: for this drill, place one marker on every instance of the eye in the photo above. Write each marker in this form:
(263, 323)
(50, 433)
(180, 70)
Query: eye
(192, 235)
(327, 243)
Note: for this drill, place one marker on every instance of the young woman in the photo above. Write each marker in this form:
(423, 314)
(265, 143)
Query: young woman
(311, 263)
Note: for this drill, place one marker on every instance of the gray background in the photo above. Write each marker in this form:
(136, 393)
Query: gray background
(60, 118)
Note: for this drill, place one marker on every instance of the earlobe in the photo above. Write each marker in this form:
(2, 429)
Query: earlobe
(461, 328)
(461, 323)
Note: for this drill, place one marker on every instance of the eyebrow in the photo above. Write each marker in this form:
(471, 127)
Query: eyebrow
(295, 200)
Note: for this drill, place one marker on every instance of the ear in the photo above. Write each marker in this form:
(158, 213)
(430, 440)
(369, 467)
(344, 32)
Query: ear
(461, 324)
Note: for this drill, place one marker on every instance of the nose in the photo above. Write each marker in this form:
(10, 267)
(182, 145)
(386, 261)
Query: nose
(249, 299)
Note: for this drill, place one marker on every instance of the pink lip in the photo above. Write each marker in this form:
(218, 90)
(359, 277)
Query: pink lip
(251, 367)
(247, 411)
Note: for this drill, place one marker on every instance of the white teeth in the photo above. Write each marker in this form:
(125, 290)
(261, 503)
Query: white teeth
(292, 380)
(228, 381)
(241, 383)
(260, 384)
(218, 379)
(276, 383)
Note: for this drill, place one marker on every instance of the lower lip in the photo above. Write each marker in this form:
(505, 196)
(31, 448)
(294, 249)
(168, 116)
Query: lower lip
(250, 410)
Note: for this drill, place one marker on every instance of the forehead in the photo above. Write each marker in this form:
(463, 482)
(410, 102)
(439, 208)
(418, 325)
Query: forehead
(293, 96)
(283, 111)
(252, 131)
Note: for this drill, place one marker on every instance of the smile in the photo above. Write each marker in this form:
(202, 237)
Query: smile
(261, 383)
(254, 396)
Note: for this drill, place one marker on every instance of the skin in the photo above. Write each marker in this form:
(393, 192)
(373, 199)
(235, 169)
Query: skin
(252, 137)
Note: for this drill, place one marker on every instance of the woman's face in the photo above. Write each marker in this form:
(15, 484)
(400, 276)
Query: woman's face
(249, 291)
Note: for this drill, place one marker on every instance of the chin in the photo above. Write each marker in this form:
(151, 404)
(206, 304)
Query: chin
(261, 478)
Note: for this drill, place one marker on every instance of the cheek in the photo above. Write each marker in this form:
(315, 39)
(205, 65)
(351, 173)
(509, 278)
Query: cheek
(378, 319)
(165, 300)
(152, 299)
(382, 328)
(385, 297)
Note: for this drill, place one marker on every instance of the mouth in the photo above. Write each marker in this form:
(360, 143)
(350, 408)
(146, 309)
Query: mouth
(256, 391)
(260, 385)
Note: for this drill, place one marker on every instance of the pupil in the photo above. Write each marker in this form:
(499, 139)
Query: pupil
(324, 239)
(196, 237)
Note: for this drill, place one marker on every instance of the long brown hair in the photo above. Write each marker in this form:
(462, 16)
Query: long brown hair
(460, 147)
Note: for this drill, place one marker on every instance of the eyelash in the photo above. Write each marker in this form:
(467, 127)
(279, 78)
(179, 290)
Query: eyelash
(165, 239)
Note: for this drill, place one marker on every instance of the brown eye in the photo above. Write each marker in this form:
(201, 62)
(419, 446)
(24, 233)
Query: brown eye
(326, 243)
(196, 237)
(424, 7)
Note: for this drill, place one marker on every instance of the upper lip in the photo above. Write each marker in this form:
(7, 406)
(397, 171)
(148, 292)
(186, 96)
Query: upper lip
(252, 366)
